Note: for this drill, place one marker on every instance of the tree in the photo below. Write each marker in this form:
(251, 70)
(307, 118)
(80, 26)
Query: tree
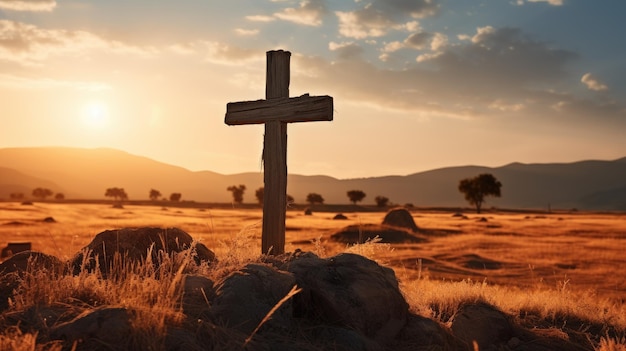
(59, 197)
(116, 193)
(16, 196)
(314, 198)
(237, 192)
(42, 193)
(175, 197)
(356, 196)
(381, 201)
(154, 194)
(477, 188)
(290, 199)
(260, 192)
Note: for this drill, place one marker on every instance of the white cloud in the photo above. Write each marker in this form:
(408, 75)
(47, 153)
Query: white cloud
(260, 18)
(592, 83)
(28, 5)
(376, 19)
(18, 82)
(551, 2)
(345, 50)
(246, 32)
(309, 13)
(29, 44)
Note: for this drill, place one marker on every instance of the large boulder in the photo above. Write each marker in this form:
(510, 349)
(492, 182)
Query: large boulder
(133, 245)
(400, 217)
(243, 298)
(95, 328)
(358, 234)
(482, 324)
(349, 291)
(13, 269)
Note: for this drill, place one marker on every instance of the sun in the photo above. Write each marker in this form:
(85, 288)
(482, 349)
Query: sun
(96, 115)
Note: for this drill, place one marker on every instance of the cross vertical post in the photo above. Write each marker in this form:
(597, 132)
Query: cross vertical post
(275, 157)
(275, 112)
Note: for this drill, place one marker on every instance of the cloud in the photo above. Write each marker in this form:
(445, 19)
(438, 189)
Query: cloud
(376, 19)
(495, 72)
(551, 2)
(260, 18)
(246, 32)
(346, 50)
(28, 5)
(28, 44)
(18, 82)
(592, 83)
(220, 53)
(309, 13)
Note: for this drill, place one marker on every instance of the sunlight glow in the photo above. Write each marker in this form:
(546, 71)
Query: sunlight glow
(96, 115)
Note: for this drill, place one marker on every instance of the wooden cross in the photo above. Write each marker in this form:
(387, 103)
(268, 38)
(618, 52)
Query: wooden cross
(275, 112)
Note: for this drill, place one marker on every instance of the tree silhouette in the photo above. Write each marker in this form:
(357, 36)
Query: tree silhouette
(16, 196)
(175, 197)
(477, 188)
(116, 193)
(42, 193)
(237, 192)
(259, 193)
(381, 201)
(59, 196)
(154, 194)
(314, 198)
(356, 196)
(290, 199)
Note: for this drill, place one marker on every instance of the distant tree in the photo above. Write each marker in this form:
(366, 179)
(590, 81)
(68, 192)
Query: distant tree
(154, 194)
(59, 197)
(42, 193)
(477, 188)
(356, 196)
(259, 193)
(381, 201)
(116, 193)
(314, 198)
(237, 192)
(175, 197)
(16, 196)
(290, 199)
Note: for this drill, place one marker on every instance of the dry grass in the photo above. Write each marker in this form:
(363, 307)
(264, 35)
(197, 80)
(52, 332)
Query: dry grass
(547, 270)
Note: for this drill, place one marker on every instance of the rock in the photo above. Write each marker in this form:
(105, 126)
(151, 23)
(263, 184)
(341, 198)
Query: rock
(349, 291)
(13, 269)
(400, 217)
(244, 298)
(49, 220)
(358, 234)
(133, 244)
(95, 328)
(198, 290)
(421, 333)
(484, 324)
(308, 212)
(340, 216)
(14, 248)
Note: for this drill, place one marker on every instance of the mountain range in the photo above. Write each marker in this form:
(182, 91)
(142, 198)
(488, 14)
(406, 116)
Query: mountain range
(81, 173)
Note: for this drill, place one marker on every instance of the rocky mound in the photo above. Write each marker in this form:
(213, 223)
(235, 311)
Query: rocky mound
(400, 217)
(358, 234)
(292, 302)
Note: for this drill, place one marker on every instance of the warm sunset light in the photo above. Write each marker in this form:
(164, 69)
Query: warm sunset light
(416, 84)
(96, 115)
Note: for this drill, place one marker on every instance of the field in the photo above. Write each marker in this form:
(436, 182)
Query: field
(582, 251)
(566, 262)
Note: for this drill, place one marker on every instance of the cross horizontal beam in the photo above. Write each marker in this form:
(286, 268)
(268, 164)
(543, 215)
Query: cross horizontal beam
(304, 108)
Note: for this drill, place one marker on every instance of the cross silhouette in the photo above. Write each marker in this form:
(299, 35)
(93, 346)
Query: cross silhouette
(275, 112)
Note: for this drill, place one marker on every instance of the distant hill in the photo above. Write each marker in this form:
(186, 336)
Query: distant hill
(87, 173)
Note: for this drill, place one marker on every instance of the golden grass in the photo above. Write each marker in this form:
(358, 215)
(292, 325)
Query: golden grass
(543, 269)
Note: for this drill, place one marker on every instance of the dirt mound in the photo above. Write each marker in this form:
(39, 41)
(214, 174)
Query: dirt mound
(400, 217)
(358, 234)
(134, 244)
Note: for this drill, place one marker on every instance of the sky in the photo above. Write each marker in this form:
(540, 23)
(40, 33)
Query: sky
(417, 84)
